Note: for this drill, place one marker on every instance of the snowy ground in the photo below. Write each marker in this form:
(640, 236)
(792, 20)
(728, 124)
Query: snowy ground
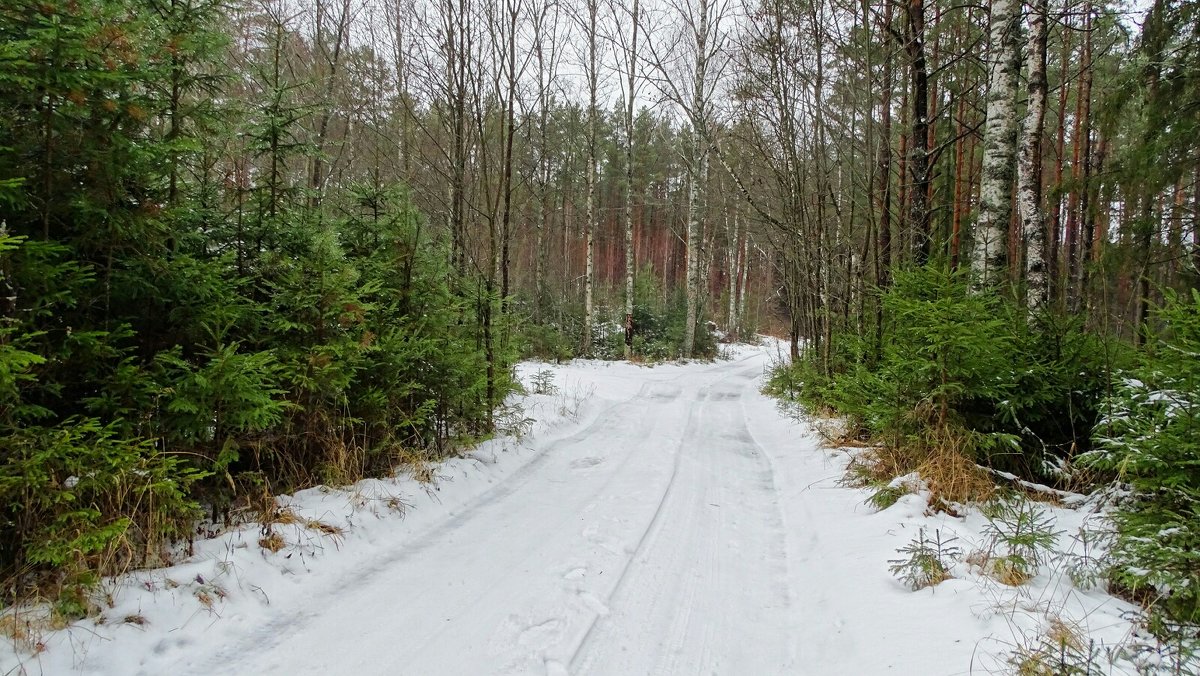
(665, 520)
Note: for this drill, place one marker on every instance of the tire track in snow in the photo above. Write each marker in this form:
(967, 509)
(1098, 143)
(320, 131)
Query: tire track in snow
(665, 568)
(279, 629)
(626, 430)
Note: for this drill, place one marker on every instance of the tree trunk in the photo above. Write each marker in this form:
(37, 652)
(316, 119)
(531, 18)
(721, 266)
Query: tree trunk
(918, 163)
(883, 256)
(590, 226)
(995, 198)
(629, 262)
(731, 252)
(1029, 199)
(695, 223)
(1053, 236)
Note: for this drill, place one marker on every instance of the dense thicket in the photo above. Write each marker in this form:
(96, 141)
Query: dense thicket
(189, 316)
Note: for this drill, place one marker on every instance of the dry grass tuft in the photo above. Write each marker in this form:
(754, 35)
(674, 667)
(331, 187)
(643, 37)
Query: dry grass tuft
(944, 464)
(395, 504)
(272, 542)
(953, 477)
(423, 472)
(1064, 635)
(417, 464)
(877, 465)
(322, 527)
(1060, 649)
(284, 516)
(209, 594)
(24, 632)
(1009, 571)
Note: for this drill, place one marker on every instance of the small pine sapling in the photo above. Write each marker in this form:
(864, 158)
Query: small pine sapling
(1087, 563)
(927, 560)
(543, 382)
(1027, 535)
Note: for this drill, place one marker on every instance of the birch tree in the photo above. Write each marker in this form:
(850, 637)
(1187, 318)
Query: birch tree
(1029, 178)
(629, 53)
(588, 23)
(999, 139)
(688, 68)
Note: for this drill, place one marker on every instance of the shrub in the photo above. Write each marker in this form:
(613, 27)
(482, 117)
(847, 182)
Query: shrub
(961, 378)
(79, 497)
(1150, 439)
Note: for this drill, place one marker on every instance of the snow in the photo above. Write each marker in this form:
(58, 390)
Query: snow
(666, 520)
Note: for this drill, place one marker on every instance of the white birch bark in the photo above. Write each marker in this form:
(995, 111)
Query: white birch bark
(1029, 176)
(589, 310)
(731, 252)
(999, 140)
(741, 308)
(631, 92)
(695, 223)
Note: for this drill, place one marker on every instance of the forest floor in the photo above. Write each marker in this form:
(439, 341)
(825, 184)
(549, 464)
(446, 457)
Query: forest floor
(665, 520)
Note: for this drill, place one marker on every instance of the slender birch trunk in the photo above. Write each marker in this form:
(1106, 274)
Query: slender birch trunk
(995, 193)
(731, 252)
(744, 281)
(699, 172)
(695, 223)
(1029, 197)
(629, 262)
(590, 226)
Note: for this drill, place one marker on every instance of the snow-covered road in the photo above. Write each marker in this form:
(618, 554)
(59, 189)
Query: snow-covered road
(665, 520)
(649, 541)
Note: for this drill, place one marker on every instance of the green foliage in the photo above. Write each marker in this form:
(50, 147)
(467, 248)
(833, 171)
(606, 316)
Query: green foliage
(927, 560)
(1060, 652)
(1024, 533)
(543, 382)
(888, 495)
(1150, 439)
(181, 319)
(1087, 561)
(1060, 378)
(965, 368)
(78, 492)
(545, 342)
(659, 324)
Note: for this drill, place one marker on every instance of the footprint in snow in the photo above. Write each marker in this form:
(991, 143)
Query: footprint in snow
(586, 463)
(543, 634)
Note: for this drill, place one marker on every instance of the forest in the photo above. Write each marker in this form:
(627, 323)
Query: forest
(252, 246)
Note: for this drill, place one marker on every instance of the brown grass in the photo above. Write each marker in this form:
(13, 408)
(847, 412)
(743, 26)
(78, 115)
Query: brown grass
(24, 632)
(944, 463)
(281, 515)
(1045, 657)
(323, 528)
(272, 542)
(953, 477)
(1064, 635)
(1007, 571)
(878, 465)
